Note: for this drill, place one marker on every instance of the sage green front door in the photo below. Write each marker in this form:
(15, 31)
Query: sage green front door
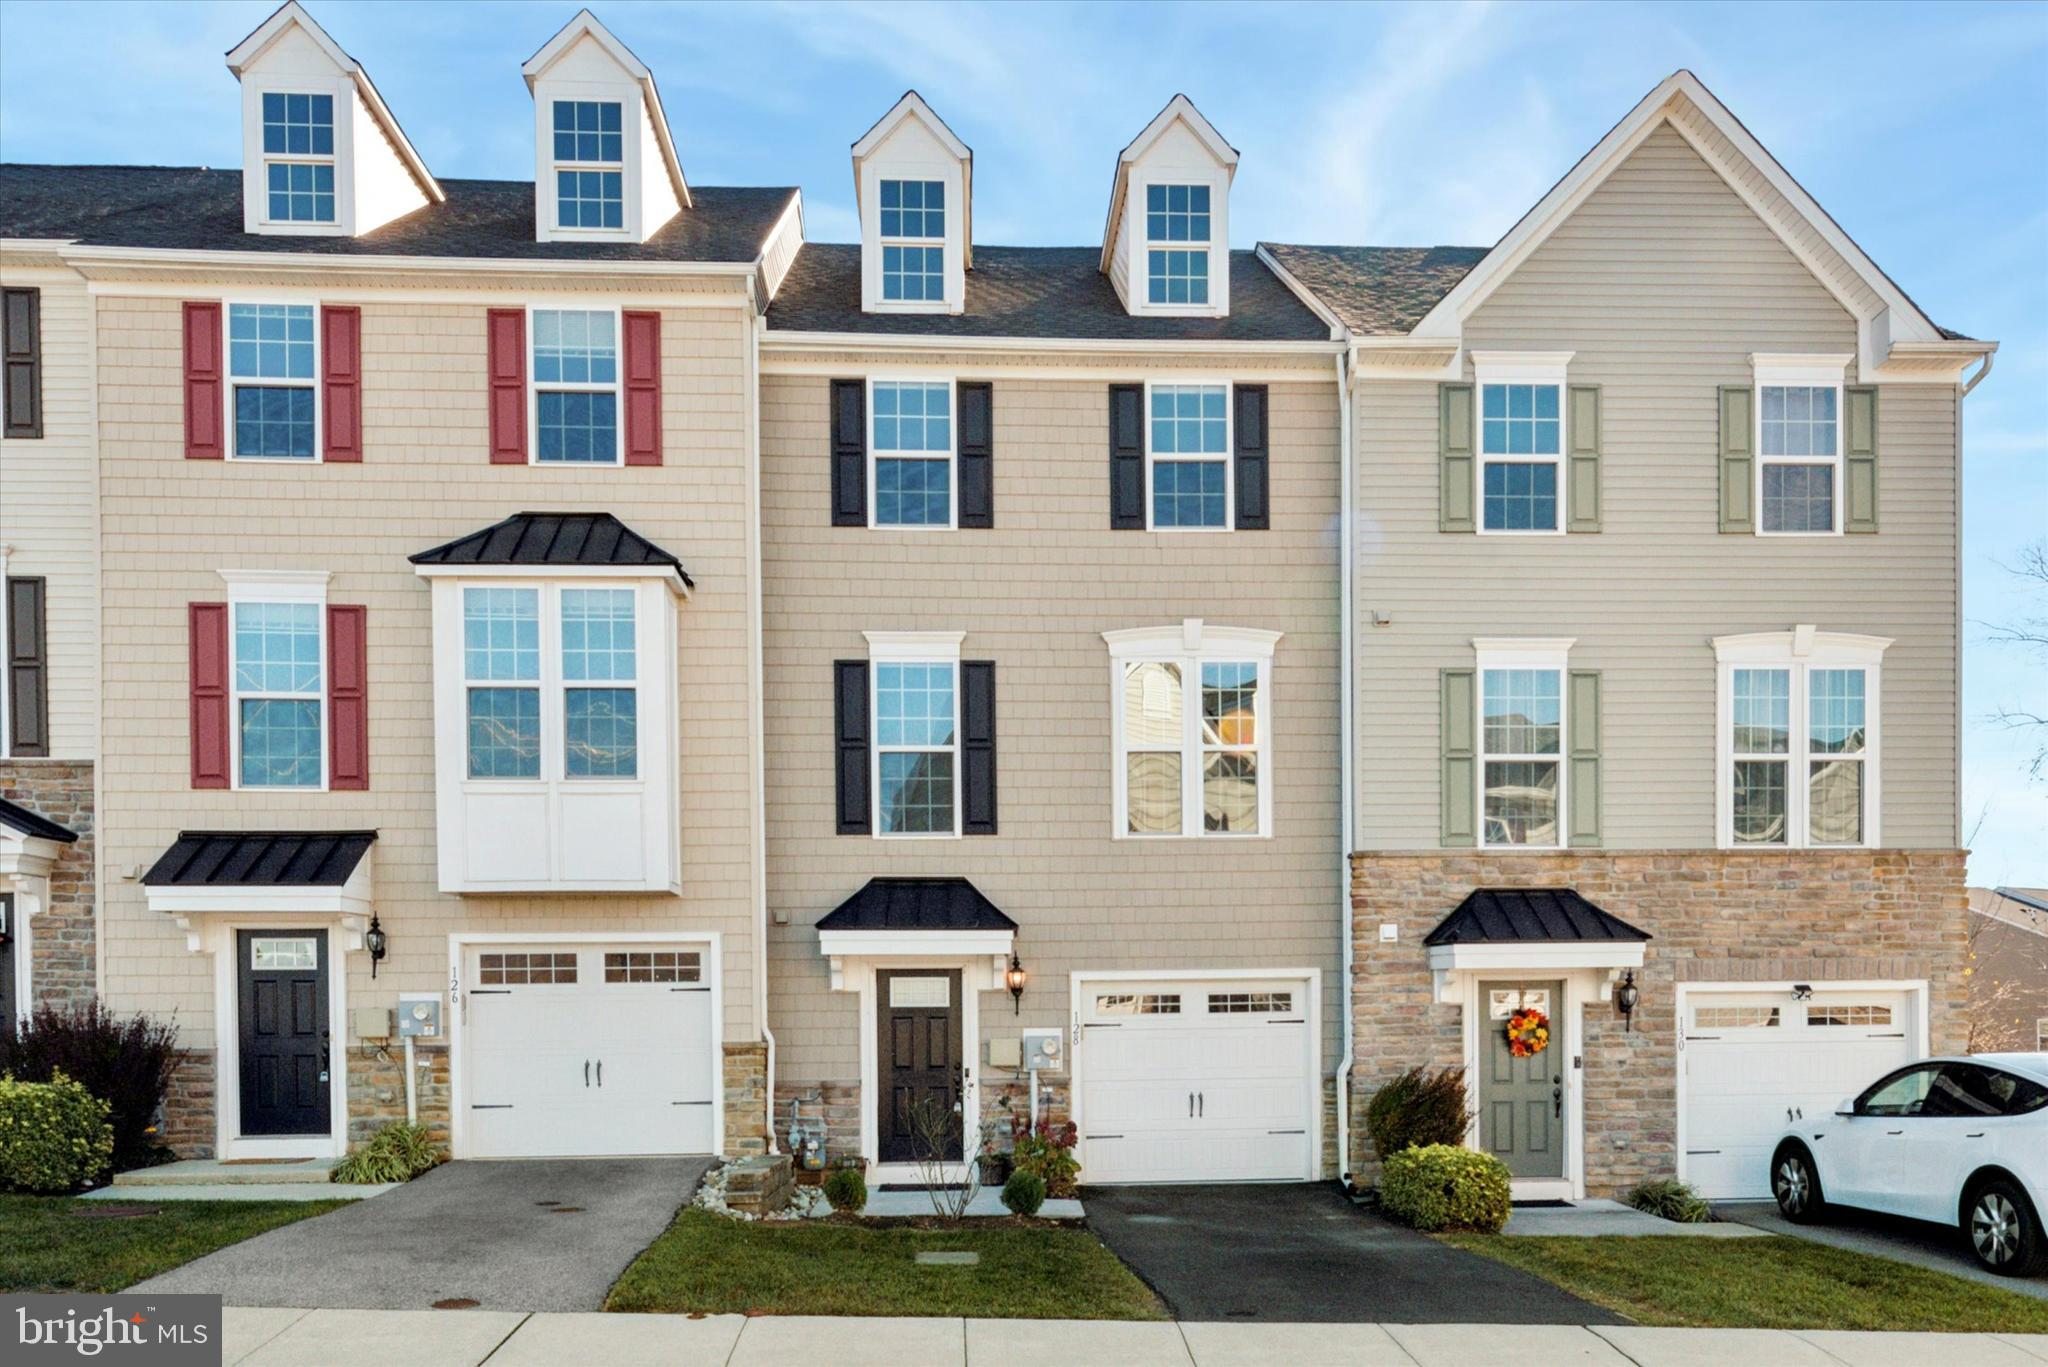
(1521, 1100)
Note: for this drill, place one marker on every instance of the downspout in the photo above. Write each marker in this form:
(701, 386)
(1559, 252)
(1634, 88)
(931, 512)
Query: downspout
(1346, 537)
(756, 723)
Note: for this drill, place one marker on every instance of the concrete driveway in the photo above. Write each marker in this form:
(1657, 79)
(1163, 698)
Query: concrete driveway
(1940, 1247)
(1299, 1252)
(550, 1234)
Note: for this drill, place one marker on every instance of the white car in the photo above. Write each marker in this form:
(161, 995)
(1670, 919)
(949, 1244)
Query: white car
(1960, 1141)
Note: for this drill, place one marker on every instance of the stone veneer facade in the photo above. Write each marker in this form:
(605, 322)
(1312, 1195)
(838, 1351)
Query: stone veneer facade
(64, 937)
(1713, 915)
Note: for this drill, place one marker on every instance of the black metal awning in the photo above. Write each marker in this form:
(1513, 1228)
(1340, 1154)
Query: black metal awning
(260, 859)
(17, 817)
(1500, 916)
(585, 540)
(942, 904)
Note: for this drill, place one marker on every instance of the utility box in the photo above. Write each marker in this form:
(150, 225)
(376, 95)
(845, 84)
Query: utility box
(370, 1022)
(1045, 1050)
(419, 1015)
(1005, 1053)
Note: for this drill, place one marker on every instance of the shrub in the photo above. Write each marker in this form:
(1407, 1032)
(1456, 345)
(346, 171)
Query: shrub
(1671, 1199)
(1024, 1193)
(54, 1135)
(846, 1190)
(1444, 1186)
(1048, 1154)
(124, 1061)
(1419, 1108)
(396, 1153)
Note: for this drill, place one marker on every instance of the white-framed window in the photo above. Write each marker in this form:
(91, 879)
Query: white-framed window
(1192, 710)
(914, 686)
(590, 165)
(575, 369)
(1798, 739)
(298, 157)
(1187, 456)
(1522, 743)
(1177, 237)
(277, 671)
(911, 443)
(515, 704)
(501, 680)
(913, 232)
(1521, 440)
(284, 952)
(273, 389)
(1799, 445)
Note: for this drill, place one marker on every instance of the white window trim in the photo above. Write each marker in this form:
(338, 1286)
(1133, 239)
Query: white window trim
(632, 685)
(617, 388)
(884, 241)
(1519, 367)
(952, 456)
(910, 647)
(1800, 650)
(1815, 372)
(626, 138)
(343, 222)
(1190, 644)
(538, 683)
(1147, 246)
(1139, 273)
(276, 586)
(1228, 459)
(1540, 653)
(229, 381)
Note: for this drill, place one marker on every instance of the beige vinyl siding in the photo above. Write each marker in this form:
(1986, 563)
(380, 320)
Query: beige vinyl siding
(46, 505)
(1662, 284)
(1034, 594)
(425, 478)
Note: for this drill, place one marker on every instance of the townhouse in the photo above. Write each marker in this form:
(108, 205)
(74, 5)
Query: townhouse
(571, 660)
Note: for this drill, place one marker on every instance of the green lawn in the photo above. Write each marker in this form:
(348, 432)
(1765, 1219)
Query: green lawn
(706, 1263)
(1773, 1283)
(50, 1244)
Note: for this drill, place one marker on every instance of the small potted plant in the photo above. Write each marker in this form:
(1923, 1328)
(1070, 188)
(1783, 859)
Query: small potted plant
(996, 1164)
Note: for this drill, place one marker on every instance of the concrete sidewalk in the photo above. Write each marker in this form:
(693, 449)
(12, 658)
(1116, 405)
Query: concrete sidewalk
(464, 1338)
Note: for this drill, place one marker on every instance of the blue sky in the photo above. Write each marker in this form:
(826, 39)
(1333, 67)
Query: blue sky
(1922, 128)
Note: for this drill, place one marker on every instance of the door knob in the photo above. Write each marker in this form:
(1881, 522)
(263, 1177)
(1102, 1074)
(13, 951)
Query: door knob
(1557, 1097)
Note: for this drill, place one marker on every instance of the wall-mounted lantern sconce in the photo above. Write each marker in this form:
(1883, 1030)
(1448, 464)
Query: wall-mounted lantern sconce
(1014, 980)
(374, 941)
(1625, 998)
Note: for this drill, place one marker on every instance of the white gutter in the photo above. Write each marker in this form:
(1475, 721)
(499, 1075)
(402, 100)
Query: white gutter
(260, 259)
(925, 341)
(758, 687)
(1346, 541)
(1976, 380)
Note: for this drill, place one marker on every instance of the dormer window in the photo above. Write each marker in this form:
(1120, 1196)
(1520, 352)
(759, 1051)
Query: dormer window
(914, 180)
(298, 157)
(1177, 244)
(590, 164)
(1165, 246)
(914, 239)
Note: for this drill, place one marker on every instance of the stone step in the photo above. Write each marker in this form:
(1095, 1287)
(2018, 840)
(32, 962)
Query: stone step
(211, 1172)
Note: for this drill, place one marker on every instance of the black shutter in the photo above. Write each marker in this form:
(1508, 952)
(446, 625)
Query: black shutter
(978, 747)
(21, 344)
(977, 451)
(1127, 457)
(849, 453)
(28, 669)
(850, 712)
(1250, 463)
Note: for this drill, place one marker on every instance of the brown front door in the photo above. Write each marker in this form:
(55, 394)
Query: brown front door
(917, 1041)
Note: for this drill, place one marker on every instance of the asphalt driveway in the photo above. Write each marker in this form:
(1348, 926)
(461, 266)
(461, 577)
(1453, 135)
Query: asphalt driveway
(1299, 1252)
(551, 1234)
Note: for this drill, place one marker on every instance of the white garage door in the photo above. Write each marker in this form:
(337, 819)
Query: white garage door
(1752, 1058)
(1195, 1081)
(584, 1050)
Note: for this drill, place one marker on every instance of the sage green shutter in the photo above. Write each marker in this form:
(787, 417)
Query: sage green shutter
(1454, 457)
(1461, 757)
(1582, 491)
(1859, 459)
(1583, 718)
(1738, 458)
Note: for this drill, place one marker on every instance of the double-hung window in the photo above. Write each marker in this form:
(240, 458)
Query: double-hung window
(279, 672)
(298, 157)
(913, 237)
(576, 386)
(1193, 749)
(1799, 446)
(516, 705)
(1798, 751)
(1521, 442)
(600, 702)
(1187, 449)
(1177, 244)
(590, 163)
(273, 390)
(1521, 748)
(917, 746)
(501, 673)
(912, 449)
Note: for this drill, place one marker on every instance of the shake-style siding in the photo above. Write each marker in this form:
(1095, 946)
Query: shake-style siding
(1662, 285)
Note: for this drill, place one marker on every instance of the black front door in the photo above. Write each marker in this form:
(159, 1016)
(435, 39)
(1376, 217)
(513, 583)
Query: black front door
(285, 1062)
(918, 1040)
(8, 1005)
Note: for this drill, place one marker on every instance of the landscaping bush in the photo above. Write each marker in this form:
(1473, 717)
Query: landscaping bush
(1419, 1108)
(1048, 1154)
(124, 1061)
(1671, 1199)
(396, 1153)
(846, 1190)
(1444, 1186)
(1024, 1193)
(54, 1136)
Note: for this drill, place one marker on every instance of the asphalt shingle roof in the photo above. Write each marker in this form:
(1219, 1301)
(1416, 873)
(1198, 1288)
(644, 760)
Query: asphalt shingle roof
(196, 209)
(917, 904)
(553, 539)
(1377, 291)
(1491, 916)
(260, 859)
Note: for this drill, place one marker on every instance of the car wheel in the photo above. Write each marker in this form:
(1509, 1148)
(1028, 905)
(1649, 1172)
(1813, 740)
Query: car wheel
(2004, 1231)
(1797, 1185)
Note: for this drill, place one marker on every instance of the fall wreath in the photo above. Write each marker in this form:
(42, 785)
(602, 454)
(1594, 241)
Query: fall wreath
(1528, 1032)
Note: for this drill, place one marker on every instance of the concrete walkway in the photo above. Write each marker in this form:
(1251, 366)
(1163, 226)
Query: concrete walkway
(367, 1338)
(1598, 1217)
(1939, 1247)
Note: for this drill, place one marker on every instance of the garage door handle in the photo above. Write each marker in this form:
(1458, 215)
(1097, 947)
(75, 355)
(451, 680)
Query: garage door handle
(1191, 1105)
(586, 1072)
(1894, 1131)
(600, 1072)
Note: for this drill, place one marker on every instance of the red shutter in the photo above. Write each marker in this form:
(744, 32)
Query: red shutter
(204, 401)
(209, 642)
(643, 388)
(341, 383)
(508, 386)
(348, 702)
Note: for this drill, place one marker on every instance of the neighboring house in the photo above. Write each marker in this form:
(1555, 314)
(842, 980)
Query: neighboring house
(2008, 968)
(721, 670)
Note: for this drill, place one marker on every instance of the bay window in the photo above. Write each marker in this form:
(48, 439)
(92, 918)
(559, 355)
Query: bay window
(1798, 739)
(1193, 749)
